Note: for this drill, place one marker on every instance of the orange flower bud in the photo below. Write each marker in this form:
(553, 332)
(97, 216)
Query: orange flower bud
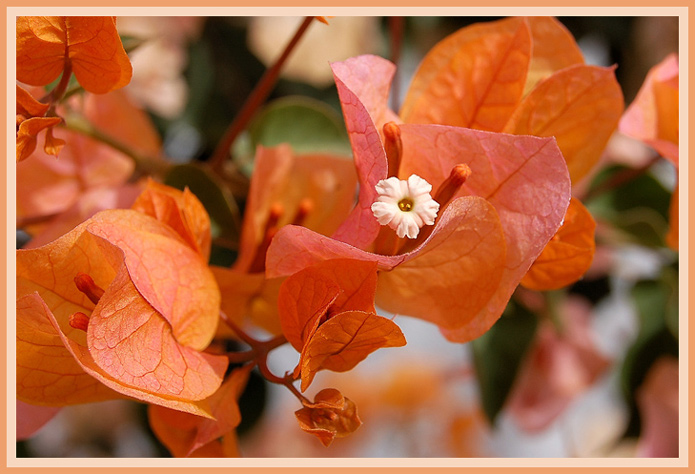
(331, 415)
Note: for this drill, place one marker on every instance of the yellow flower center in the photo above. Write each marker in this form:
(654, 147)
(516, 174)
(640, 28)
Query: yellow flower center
(406, 204)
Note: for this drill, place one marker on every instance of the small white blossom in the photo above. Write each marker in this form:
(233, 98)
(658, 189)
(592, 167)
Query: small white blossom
(405, 206)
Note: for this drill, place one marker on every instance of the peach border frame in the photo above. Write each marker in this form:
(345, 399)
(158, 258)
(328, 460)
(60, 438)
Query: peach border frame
(358, 7)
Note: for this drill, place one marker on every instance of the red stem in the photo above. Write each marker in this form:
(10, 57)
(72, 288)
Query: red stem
(396, 26)
(258, 95)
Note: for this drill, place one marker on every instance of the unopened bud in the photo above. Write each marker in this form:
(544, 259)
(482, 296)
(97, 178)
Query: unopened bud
(306, 205)
(86, 285)
(393, 147)
(79, 321)
(451, 185)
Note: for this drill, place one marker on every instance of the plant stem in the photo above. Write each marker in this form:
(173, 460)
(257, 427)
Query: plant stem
(620, 178)
(258, 95)
(396, 28)
(259, 355)
(58, 91)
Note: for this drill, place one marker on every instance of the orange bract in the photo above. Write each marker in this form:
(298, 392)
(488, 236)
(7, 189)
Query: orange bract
(653, 119)
(569, 253)
(473, 78)
(31, 121)
(327, 313)
(282, 185)
(90, 46)
(153, 315)
(331, 415)
(183, 433)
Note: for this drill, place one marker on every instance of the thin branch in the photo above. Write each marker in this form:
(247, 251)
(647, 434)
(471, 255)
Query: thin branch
(396, 29)
(620, 178)
(257, 97)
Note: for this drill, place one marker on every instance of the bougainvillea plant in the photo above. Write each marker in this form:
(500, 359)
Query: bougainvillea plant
(300, 230)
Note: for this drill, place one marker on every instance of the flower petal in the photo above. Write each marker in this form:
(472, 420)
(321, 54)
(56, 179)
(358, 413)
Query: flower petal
(360, 228)
(47, 372)
(580, 106)
(524, 178)
(41, 42)
(554, 48)
(345, 340)
(569, 253)
(473, 78)
(653, 115)
(183, 433)
(455, 273)
(98, 59)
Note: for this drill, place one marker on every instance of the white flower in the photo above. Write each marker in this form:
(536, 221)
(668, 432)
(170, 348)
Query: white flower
(405, 206)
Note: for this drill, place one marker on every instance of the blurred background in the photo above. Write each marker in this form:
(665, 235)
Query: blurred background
(193, 75)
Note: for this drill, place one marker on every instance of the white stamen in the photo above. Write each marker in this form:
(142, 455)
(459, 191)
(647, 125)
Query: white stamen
(417, 208)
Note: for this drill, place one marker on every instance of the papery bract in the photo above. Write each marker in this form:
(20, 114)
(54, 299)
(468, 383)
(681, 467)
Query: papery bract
(31, 418)
(473, 78)
(31, 120)
(160, 307)
(580, 106)
(461, 276)
(184, 433)
(307, 296)
(179, 210)
(569, 253)
(49, 187)
(657, 400)
(331, 415)
(653, 119)
(653, 116)
(327, 313)
(554, 48)
(91, 45)
(315, 190)
(558, 367)
(344, 340)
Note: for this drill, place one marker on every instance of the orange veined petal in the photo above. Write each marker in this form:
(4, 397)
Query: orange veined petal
(41, 49)
(580, 106)
(474, 78)
(180, 210)
(27, 132)
(98, 59)
(554, 48)
(27, 105)
(183, 433)
(653, 115)
(569, 253)
(47, 372)
(330, 416)
(91, 45)
(344, 340)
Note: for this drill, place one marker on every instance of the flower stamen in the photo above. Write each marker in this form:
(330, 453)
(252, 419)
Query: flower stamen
(406, 204)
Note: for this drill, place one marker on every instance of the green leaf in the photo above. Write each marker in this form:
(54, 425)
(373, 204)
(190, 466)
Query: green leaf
(655, 301)
(637, 205)
(498, 354)
(307, 124)
(224, 213)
